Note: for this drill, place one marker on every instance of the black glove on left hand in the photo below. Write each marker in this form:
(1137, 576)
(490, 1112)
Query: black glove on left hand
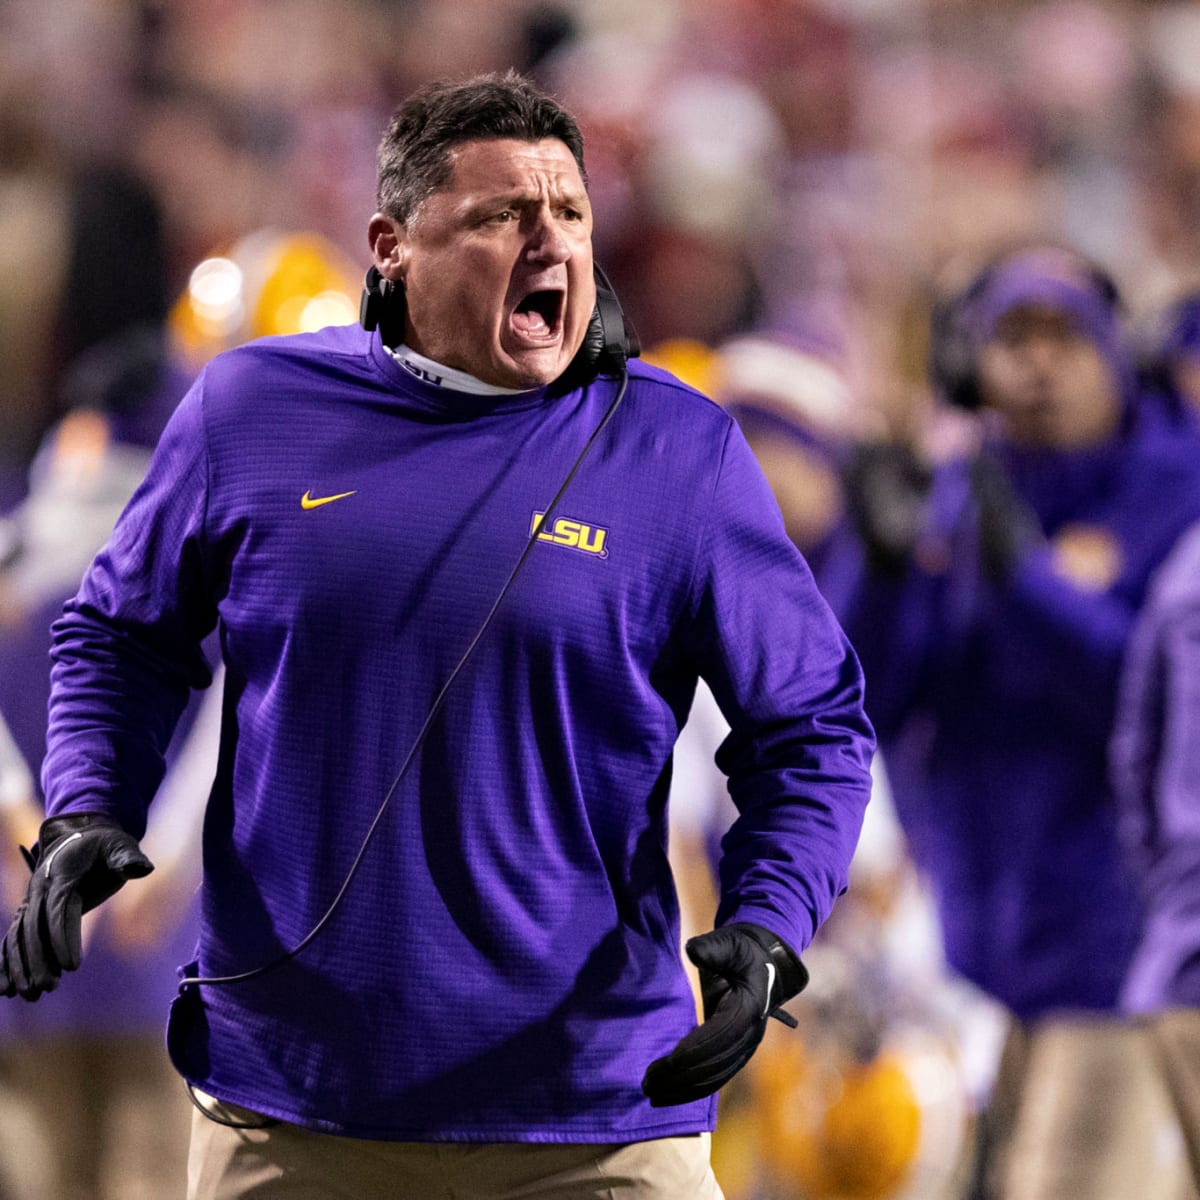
(746, 973)
(76, 864)
(886, 488)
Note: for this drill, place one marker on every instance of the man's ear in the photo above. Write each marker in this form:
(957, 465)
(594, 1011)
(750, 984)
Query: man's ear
(389, 246)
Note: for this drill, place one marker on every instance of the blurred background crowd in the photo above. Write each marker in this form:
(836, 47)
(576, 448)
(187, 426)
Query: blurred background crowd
(785, 190)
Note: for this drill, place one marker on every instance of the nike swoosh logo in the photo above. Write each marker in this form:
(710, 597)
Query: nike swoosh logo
(307, 501)
(59, 848)
(770, 986)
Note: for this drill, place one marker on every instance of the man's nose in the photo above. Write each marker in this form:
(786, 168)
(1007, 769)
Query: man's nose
(547, 242)
(1040, 352)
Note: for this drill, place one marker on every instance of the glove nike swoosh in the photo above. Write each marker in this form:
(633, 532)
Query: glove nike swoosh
(59, 849)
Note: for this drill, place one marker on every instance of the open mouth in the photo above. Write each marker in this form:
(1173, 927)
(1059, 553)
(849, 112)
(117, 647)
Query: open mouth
(538, 317)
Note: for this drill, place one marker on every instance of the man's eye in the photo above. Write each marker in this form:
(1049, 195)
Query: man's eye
(502, 218)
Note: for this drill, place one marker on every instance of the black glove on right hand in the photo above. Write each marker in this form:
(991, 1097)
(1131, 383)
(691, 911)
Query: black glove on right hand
(1008, 527)
(886, 487)
(746, 973)
(76, 864)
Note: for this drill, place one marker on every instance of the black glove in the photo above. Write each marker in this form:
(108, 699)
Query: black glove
(746, 973)
(77, 862)
(1008, 527)
(886, 487)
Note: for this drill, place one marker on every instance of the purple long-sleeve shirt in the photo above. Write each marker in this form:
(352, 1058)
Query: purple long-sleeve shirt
(1156, 775)
(994, 705)
(505, 962)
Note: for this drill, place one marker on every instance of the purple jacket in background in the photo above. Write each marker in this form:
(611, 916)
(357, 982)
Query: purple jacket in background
(1156, 774)
(64, 514)
(505, 962)
(994, 707)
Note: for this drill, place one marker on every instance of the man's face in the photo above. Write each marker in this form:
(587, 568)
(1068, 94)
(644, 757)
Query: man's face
(1049, 381)
(497, 265)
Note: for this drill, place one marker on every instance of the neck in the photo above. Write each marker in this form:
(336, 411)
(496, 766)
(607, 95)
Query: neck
(446, 377)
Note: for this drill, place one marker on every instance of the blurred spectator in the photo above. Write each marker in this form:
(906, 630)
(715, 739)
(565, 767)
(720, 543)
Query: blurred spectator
(108, 1117)
(34, 228)
(992, 636)
(1156, 772)
(788, 384)
(94, 286)
(104, 1115)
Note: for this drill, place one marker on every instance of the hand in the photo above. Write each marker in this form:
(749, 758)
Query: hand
(1008, 527)
(746, 973)
(886, 487)
(76, 864)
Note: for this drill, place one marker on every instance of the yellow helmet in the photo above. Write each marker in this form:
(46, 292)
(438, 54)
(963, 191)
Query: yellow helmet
(266, 283)
(687, 359)
(841, 1119)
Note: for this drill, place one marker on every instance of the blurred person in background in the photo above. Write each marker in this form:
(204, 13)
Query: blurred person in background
(105, 1117)
(787, 384)
(991, 597)
(1156, 776)
(509, 1038)
(33, 228)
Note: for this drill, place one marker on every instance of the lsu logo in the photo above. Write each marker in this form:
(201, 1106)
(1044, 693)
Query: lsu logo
(420, 372)
(574, 535)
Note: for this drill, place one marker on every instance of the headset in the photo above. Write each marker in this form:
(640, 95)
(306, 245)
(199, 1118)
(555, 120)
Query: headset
(953, 334)
(608, 342)
(607, 346)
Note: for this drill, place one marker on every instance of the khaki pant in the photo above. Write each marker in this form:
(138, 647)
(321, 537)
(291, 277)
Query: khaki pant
(1080, 1112)
(1176, 1038)
(286, 1162)
(103, 1119)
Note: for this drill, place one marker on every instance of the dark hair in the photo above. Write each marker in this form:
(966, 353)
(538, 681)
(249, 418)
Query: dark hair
(415, 153)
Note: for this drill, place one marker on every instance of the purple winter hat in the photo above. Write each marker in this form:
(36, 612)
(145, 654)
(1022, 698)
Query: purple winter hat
(1061, 281)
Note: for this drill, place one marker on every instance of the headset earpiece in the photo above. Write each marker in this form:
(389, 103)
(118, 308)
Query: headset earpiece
(609, 341)
(382, 307)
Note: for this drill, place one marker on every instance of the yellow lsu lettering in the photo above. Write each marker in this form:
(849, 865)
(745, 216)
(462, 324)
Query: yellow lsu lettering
(573, 534)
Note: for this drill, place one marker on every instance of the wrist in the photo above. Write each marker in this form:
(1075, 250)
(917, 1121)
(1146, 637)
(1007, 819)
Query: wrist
(792, 973)
(53, 828)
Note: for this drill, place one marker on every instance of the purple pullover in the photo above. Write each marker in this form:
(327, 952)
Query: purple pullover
(504, 963)
(1156, 774)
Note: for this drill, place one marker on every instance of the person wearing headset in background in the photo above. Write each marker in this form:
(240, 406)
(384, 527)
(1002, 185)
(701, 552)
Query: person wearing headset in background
(466, 567)
(991, 598)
